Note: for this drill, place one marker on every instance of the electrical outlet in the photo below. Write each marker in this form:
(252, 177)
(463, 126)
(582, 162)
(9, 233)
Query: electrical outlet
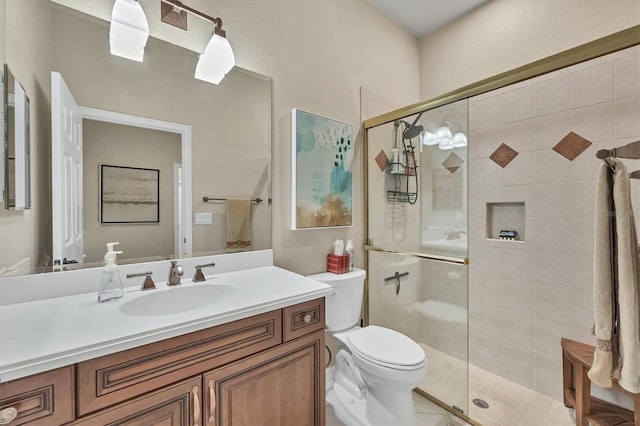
(204, 218)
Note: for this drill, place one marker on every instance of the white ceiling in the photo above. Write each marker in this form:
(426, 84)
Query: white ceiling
(420, 17)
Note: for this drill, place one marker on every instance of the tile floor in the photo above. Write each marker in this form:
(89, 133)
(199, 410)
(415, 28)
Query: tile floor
(510, 404)
(427, 414)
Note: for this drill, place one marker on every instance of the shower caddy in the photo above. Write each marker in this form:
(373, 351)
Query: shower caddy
(403, 170)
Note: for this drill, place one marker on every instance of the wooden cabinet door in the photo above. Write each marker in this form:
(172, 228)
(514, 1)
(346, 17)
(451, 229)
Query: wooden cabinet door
(282, 386)
(176, 405)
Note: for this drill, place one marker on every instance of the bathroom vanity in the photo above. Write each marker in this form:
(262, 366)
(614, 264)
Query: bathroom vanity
(257, 358)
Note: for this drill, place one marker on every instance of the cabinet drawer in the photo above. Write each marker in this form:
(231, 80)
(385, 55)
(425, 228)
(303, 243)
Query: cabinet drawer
(303, 318)
(176, 405)
(114, 378)
(41, 399)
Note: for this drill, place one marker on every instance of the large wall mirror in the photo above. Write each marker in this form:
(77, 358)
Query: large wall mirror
(196, 140)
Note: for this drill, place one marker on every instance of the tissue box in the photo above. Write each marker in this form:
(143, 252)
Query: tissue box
(338, 264)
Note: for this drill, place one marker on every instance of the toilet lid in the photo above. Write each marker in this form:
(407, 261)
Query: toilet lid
(382, 345)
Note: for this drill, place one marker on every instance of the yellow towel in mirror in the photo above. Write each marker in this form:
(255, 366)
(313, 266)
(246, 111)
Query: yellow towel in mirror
(238, 214)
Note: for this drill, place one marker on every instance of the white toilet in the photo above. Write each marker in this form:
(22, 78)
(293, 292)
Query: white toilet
(376, 368)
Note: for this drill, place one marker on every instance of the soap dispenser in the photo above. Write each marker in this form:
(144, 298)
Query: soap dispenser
(110, 282)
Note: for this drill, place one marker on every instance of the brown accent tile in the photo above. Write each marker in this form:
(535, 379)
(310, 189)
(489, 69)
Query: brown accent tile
(452, 162)
(503, 155)
(571, 146)
(382, 160)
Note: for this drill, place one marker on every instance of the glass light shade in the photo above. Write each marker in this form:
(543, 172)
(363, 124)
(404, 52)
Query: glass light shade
(459, 140)
(427, 138)
(216, 61)
(129, 30)
(445, 143)
(443, 132)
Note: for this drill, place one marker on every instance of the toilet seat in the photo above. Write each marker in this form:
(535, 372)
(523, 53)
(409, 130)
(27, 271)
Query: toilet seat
(387, 348)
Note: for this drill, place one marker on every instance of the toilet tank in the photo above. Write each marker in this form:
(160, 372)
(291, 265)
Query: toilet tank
(342, 308)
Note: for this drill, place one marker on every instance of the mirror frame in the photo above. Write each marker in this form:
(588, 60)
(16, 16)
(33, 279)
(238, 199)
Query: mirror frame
(22, 150)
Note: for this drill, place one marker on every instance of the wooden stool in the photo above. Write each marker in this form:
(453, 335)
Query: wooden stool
(576, 362)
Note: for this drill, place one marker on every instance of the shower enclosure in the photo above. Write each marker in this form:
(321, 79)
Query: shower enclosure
(479, 225)
(417, 209)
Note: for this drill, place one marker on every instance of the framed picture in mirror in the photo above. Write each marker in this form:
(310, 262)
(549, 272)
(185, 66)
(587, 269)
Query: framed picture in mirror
(129, 194)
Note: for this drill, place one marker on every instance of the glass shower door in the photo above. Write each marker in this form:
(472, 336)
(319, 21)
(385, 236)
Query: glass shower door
(417, 233)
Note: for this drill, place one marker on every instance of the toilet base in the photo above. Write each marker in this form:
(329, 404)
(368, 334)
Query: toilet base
(351, 415)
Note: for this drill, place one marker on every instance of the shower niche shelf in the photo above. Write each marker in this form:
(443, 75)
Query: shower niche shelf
(402, 175)
(506, 216)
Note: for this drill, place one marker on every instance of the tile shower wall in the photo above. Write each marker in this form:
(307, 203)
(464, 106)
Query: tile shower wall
(524, 296)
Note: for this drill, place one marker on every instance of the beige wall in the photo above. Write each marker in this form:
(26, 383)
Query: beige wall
(24, 233)
(504, 34)
(319, 54)
(117, 145)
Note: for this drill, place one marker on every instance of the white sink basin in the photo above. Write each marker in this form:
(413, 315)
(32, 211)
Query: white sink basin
(179, 299)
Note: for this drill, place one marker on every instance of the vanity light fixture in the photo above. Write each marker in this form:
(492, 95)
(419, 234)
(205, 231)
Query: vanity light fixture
(443, 138)
(217, 59)
(129, 30)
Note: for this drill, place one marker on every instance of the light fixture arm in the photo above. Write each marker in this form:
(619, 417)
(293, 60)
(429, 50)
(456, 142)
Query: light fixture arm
(216, 21)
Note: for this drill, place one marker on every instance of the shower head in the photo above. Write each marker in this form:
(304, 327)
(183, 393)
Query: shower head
(410, 129)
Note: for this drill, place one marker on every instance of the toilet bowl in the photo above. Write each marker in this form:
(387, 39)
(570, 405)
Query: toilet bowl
(375, 368)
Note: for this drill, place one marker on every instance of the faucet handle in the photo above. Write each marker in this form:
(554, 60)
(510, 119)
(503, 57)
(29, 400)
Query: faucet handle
(148, 283)
(199, 276)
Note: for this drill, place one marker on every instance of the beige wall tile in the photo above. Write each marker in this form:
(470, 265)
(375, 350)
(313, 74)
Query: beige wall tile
(551, 167)
(548, 335)
(594, 123)
(488, 173)
(519, 329)
(627, 117)
(592, 85)
(549, 375)
(553, 95)
(627, 76)
(520, 362)
(553, 200)
(554, 305)
(504, 108)
(582, 235)
(583, 199)
(550, 129)
(582, 273)
(553, 269)
(521, 170)
(552, 234)
(582, 310)
(586, 165)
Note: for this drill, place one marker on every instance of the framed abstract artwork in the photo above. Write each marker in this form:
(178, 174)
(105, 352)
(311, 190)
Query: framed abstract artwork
(129, 195)
(322, 171)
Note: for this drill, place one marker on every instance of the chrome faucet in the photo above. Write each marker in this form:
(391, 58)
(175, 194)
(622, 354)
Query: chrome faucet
(199, 276)
(455, 235)
(148, 283)
(174, 273)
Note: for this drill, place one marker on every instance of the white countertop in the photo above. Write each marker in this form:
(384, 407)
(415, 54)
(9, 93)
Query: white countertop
(40, 335)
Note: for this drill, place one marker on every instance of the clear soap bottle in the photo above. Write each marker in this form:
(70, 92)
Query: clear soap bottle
(110, 283)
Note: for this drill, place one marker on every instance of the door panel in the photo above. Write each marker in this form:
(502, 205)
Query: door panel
(66, 173)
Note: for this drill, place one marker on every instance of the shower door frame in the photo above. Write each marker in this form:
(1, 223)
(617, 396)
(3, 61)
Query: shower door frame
(596, 48)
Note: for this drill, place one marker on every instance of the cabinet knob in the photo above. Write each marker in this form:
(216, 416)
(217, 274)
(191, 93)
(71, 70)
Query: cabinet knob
(8, 415)
(307, 318)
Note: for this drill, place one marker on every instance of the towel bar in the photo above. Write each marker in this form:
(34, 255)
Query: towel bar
(255, 200)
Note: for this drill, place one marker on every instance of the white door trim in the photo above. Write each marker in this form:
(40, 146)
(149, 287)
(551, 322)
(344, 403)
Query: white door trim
(166, 126)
